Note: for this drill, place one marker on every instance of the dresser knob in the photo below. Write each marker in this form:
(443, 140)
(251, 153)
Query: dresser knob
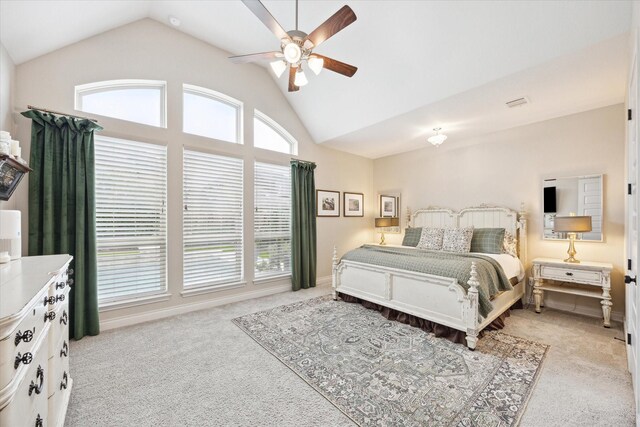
(64, 318)
(568, 273)
(65, 381)
(39, 421)
(25, 336)
(70, 271)
(60, 285)
(22, 358)
(65, 350)
(49, 316)
(59, 298)
(39, 376)
(49, 300)
(69, 282)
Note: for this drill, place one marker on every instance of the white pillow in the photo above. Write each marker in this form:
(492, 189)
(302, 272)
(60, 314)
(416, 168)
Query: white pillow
(510, 244)
(457, 239)
(431, 238)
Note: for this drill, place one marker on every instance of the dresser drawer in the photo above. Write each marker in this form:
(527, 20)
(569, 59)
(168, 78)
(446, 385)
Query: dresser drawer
(59, 326)
(30, 399)
(59, 366)
(59, 291)
(571, 275)
(21, 341)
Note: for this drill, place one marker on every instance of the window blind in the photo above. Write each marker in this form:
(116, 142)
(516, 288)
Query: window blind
(131, 219)
(272, 220)
(212, 222)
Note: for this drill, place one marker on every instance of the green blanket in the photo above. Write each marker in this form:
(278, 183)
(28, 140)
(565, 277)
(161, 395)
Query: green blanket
(447, 264)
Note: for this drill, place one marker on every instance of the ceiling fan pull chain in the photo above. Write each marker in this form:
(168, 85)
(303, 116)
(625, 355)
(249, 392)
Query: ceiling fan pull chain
(296, 15)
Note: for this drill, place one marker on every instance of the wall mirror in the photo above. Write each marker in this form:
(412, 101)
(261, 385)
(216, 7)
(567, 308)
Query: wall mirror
(389, 207)
(580, 195)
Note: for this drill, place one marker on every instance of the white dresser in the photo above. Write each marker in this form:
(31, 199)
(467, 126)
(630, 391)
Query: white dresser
(34, 341)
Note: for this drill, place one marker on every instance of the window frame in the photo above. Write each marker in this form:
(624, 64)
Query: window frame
(259, 115)
(219, 97)
(109, 85)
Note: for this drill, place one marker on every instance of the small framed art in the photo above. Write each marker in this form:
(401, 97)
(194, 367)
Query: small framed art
(353, 204)
(11, 172)
(388, 206)
(327, 203)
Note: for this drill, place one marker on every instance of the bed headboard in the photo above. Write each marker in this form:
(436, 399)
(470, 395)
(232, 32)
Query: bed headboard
(483, 216)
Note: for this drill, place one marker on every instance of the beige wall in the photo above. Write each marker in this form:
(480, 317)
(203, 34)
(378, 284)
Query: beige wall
(149, 50)
(508, 167)
(7, 82)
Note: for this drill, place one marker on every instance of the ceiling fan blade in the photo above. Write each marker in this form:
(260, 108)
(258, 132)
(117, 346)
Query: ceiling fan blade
(292, 77)
(267, 19)
(263, 56)
(337, 66)
(337, 22)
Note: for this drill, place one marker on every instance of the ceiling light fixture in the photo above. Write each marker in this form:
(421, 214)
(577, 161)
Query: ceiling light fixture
(438, 138)
(292, 53)
(278, 67)
(315, 64)
(301, 78)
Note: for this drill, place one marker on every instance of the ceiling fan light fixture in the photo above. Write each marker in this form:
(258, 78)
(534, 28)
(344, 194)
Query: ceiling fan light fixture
(292, 53)
(278, 67)
(315, 64)
(301, 78)
(438, 138)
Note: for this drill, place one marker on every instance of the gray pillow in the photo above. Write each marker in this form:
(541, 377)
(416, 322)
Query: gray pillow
(411, 236)
(488, 240)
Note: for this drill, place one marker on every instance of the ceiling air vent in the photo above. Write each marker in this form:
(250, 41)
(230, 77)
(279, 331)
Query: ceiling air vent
(518, 102)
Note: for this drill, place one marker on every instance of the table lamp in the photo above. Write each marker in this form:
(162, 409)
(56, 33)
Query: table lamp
(572, 225)
(386, 222)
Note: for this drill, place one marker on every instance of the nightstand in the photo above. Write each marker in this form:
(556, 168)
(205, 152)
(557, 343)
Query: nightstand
(548, 273)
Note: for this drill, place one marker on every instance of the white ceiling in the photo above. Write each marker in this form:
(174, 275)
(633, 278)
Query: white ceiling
(421, 64)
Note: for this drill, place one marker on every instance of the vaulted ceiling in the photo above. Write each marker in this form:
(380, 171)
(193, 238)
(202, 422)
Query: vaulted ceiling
(422, 64)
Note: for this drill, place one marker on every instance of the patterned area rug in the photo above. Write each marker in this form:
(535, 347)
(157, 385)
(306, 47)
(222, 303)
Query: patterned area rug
(384, 373)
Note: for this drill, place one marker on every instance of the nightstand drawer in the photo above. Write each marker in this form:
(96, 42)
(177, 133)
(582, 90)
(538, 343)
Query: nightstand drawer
(571, 275)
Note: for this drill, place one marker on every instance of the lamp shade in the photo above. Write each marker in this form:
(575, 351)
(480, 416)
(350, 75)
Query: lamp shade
(10, 224)
(387, 222)
(572, 224)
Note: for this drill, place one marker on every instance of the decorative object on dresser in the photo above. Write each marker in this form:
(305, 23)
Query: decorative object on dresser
(11, 173)
(384, 373)
(35, 382)
(436, 298)
(10, 234)
(328, 203)
(383, 223)
(572, 225)
(353, 204)
(566, 276)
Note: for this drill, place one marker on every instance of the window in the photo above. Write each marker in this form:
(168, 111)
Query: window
(140, 101)
(269, 135)
(131, 218)
(212, 223)
(211, 114)
(272, 220)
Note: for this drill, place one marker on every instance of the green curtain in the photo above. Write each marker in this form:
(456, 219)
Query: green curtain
(303, 227)
(62, 207)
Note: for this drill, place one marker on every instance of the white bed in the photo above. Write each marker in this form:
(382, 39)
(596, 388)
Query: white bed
(436, 298)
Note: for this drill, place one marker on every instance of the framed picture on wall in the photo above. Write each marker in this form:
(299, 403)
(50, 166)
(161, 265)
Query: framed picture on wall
(353, 204)
(11, 172)
(327, 203)
(388, 206)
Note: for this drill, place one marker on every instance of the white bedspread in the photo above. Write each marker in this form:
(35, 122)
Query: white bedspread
(511, 265)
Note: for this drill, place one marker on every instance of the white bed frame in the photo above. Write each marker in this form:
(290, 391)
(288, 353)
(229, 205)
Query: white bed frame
(436, 298)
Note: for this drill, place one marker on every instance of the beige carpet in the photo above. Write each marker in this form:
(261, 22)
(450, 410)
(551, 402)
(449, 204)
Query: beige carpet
(199, 369)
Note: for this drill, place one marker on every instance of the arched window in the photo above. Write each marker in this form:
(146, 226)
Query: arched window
(269, 135)
(211, 114)
(139, 101)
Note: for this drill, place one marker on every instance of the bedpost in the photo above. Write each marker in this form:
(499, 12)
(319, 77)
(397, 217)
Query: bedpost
(472, 311)
(522, 237)
(334, 275)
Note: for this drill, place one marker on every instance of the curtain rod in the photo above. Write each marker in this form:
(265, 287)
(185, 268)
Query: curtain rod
(44, 110)
(302, 161)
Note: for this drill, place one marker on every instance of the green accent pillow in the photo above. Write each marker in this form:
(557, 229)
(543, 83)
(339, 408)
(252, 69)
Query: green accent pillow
(487, 240)
(411, 236)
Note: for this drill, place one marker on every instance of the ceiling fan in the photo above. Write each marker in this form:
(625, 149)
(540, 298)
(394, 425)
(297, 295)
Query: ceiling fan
(297, 46)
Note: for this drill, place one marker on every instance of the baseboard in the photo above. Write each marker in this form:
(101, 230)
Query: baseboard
(618, 316)
(146, 316)
(118, 322)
